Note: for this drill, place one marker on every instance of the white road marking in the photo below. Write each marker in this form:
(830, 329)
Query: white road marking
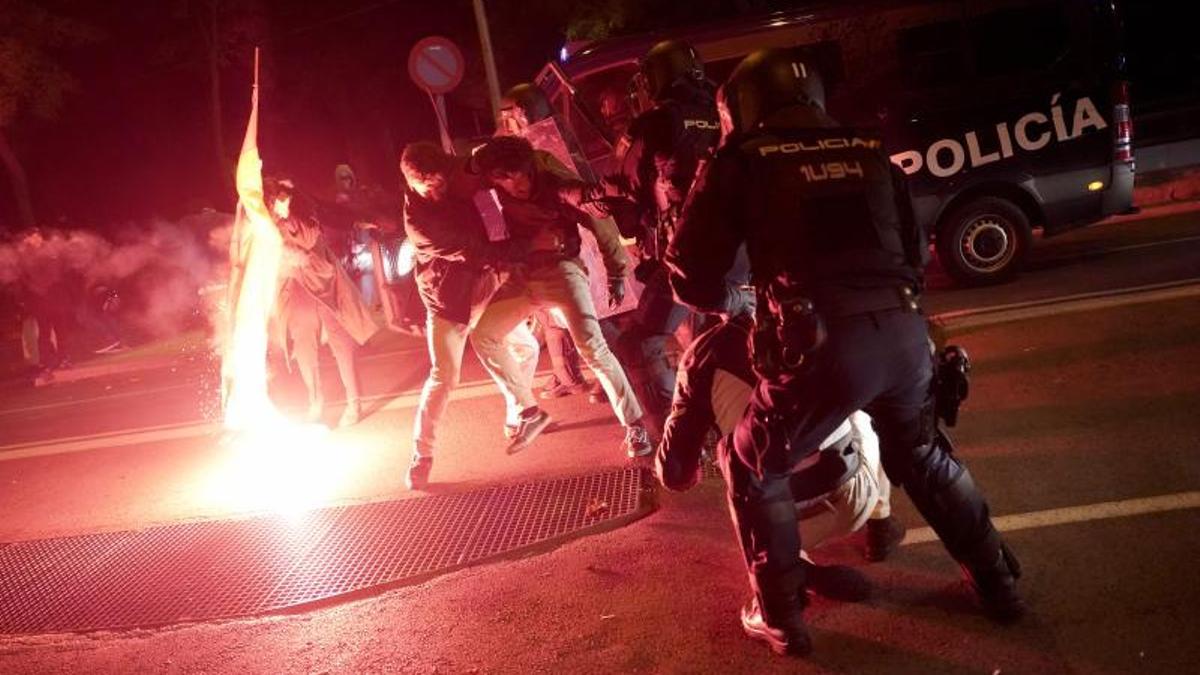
(1019, 311)
(200, 429)
(1076, 514)
(106, 397)
(144, 392)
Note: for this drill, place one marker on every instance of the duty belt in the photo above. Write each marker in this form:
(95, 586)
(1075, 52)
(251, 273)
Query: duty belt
(848, 302)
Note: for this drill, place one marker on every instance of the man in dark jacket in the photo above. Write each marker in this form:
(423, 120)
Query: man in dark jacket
(456, 273)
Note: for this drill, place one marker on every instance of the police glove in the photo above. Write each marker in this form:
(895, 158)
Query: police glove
(616, 291)
(646, 269)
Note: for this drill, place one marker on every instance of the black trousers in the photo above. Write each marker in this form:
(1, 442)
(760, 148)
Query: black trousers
(880, 362)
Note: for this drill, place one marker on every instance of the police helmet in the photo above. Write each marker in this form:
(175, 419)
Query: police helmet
(665, 64)
(523, 105)
(764, 82)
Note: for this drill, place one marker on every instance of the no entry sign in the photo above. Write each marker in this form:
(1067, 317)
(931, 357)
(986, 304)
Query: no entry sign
(435, 64)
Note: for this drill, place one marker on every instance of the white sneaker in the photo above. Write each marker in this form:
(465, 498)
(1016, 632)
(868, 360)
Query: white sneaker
(528, 428)
(637, 441)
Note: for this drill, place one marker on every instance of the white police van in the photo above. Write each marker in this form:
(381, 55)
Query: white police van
(1007, 115)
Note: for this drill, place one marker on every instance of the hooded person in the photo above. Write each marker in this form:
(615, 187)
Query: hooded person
(317, 300)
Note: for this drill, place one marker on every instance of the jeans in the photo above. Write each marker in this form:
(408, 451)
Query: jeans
(562, 286)
(447, 340)
(658, 317)
(564, 359)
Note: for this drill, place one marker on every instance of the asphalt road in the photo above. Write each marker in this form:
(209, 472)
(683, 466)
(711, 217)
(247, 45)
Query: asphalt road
(1092, 410)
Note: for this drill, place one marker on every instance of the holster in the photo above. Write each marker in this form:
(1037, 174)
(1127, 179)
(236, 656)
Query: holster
(951, 383)
(787, 328)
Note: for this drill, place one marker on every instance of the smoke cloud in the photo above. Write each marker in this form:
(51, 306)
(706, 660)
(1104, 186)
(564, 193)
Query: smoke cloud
(152, 273)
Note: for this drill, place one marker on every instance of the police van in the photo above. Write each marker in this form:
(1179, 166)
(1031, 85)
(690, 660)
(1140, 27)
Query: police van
(1006, 115)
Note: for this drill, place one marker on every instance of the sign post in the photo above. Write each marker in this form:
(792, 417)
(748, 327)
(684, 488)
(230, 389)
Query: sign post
(436, 65)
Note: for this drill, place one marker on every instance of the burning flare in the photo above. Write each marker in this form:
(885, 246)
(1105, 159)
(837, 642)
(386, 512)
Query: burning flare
(255, 252)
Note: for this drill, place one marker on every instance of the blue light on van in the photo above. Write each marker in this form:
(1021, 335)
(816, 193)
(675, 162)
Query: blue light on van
(563, 54)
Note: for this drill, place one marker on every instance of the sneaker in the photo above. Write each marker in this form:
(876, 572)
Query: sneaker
(793, 640)
(418, 473)
(637, 441)
(883, 536)
(837, 582)
(556, 388)
(530, 425)
(597, 394)
(510, 431)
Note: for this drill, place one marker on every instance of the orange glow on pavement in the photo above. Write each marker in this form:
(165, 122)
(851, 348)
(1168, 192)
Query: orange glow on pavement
(279, 466)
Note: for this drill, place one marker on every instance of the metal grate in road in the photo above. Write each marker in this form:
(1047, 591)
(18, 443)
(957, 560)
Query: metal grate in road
(220, 569)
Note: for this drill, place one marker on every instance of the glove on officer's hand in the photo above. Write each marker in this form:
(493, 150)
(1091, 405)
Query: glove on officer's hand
(645, 269)
(616, 291)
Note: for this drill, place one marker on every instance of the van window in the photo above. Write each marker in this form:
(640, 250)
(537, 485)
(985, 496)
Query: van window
(718, 71)
(932, 55)
(1018, 40)
(606, 95)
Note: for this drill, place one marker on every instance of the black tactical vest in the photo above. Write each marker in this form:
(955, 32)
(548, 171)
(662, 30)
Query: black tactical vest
(820, 208)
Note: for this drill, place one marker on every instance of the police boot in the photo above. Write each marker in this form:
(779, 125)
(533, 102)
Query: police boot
(943, 491)
(775, 614)
(993, 571)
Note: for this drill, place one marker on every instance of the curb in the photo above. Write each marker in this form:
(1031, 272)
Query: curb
(1083, 302)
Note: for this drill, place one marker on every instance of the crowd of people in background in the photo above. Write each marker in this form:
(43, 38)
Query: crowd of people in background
(71, 293)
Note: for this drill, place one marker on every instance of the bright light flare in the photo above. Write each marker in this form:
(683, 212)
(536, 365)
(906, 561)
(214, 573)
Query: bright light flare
(279, 466)
(244, 357)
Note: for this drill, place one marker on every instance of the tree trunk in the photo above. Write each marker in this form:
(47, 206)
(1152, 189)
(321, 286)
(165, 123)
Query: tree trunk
(210, 29)
(16, 177)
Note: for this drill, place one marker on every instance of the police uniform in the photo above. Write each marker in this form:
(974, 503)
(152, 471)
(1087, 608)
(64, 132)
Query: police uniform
(658, 159)
(836, 260)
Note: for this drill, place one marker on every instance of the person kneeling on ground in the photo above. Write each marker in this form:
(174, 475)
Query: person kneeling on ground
(842, 487)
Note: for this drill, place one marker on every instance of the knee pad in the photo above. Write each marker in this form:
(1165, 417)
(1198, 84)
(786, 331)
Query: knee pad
(926, 459)
(953, 506)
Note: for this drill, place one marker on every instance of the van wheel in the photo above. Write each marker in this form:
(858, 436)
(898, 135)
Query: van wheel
(984, 241)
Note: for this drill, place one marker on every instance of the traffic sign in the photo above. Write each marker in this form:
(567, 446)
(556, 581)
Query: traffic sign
(436, 64)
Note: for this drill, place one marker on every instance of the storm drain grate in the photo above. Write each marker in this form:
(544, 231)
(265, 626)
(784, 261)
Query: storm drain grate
(221, 569)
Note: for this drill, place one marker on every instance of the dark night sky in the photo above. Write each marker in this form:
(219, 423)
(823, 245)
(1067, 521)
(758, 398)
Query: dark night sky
(135, 140)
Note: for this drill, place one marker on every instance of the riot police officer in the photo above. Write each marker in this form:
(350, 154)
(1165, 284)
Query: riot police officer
(836, 261)
(658, 160)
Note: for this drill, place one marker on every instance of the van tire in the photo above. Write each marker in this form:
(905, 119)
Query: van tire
(984, 241)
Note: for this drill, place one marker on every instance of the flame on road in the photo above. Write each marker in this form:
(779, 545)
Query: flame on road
(258, 249)
(272, 462)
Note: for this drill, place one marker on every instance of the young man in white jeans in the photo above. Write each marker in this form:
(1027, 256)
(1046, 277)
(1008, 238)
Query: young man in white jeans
(534, 197)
